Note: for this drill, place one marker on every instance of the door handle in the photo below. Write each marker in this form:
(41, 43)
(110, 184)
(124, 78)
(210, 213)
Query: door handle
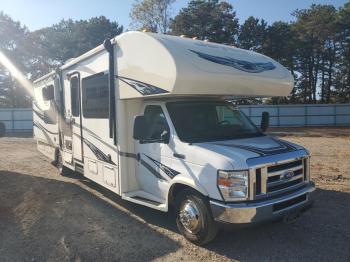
(181, 156)
(138, 157)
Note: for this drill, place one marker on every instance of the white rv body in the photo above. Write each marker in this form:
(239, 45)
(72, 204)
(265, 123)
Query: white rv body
(151, 71)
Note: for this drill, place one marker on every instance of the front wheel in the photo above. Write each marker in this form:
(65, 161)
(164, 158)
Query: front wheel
(194, 218)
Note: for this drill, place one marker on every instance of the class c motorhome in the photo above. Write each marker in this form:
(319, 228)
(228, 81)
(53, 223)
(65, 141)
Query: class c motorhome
(148, 117)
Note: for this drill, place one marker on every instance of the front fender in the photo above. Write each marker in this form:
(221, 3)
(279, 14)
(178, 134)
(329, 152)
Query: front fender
(184, 181)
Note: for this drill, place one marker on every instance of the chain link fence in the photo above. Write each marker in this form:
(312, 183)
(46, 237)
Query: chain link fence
(301, 115)
(20, 120)
(16, 120)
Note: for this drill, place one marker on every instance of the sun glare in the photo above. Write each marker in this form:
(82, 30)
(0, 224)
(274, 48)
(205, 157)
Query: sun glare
(15, 73)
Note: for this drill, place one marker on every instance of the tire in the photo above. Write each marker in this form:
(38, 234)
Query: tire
(2, 129)
(59, 164)
(194, 218)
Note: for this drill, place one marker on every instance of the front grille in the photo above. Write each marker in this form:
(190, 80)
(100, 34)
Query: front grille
(258, 181)
(284, 185)
(280, 178)
(284, 166)
(276, 178)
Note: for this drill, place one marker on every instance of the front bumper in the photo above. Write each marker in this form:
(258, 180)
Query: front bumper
(243, 213)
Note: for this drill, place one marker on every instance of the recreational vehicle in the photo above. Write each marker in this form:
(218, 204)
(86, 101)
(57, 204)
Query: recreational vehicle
(148, 116)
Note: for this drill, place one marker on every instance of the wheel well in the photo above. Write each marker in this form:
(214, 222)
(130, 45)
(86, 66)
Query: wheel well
(176, 189)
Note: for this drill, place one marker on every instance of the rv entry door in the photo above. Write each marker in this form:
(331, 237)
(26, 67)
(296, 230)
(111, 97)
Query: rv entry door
(76, 120)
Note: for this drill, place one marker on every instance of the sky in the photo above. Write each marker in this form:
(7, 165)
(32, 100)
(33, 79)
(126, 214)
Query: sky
(36, 14)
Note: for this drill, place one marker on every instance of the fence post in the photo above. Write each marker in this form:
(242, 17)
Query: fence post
(12, 121)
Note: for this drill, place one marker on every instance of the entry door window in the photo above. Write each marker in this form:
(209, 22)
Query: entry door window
(95, 96)
(75, 95)
(157, 126)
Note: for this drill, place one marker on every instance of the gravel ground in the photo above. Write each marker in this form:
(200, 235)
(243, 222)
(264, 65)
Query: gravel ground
(46, 217)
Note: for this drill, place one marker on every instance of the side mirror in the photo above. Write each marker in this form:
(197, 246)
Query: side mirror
(265, 121)
(140, 127)
(165, 137)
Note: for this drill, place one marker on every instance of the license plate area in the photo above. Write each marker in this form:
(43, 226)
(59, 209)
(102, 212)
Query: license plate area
(289, 203)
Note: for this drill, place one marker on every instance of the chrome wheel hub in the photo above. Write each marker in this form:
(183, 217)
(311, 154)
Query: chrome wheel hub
(189, 216)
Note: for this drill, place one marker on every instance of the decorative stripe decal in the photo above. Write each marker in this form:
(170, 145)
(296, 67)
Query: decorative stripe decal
(283, 148)
(171, 173)
(151, 169)
(39, 114)
(43, 128)
(141, 87)
(167, 170)
(98, 153)
(242, 65)
(96, 137)
(45, 132)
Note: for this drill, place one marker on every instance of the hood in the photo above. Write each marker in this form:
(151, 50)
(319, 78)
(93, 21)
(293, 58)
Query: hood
(238, 151)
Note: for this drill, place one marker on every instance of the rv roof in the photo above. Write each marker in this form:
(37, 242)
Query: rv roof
(151, 64)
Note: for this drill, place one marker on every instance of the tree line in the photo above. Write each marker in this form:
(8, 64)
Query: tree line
(315, 47)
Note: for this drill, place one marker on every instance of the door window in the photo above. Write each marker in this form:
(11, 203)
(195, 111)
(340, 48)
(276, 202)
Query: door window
(157, 126)
(74, 91)
(48, 93)
(95, 96)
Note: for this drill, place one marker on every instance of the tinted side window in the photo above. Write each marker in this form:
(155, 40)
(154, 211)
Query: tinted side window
(48, 93)
(156, 122)
(74, 91)
(95, 96)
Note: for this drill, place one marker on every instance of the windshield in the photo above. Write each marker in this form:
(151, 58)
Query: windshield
(206, 121)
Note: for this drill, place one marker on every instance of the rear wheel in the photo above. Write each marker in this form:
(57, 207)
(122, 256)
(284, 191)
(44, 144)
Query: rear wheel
(59, 164)
(194, 218)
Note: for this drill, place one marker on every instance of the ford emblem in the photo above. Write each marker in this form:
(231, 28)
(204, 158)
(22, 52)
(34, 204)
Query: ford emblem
(288, 174)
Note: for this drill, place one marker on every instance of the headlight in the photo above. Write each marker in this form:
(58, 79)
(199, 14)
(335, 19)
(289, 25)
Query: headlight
(307, 175)
(233, 185)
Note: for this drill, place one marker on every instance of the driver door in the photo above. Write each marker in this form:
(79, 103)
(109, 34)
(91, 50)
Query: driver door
(154, 154)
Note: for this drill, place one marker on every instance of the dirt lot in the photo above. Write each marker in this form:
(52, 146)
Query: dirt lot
(47, 217)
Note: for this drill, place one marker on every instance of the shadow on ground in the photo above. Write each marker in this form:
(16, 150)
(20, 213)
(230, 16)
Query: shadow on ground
(45, 219)
(321, 233)
(53, 220)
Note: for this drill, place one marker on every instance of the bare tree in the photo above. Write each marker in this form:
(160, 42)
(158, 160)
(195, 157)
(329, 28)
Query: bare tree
(153, 15)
